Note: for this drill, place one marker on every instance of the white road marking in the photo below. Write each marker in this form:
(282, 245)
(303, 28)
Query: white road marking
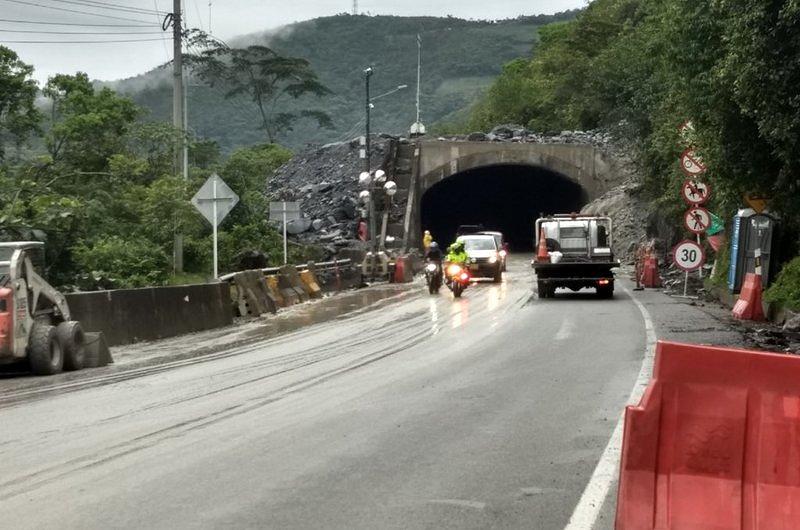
(607, 471)
(460, 503)
(566, 330)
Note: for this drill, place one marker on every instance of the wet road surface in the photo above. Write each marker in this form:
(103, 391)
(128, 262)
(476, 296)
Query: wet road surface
(485, 412)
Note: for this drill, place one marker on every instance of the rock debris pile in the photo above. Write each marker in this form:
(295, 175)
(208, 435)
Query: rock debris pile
(325, 183)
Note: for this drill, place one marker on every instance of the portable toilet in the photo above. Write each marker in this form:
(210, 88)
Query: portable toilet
(751, 231)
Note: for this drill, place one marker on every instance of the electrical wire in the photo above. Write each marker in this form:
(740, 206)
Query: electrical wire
(110, 7)
(39, 22)
(79, 41)
(22, 2)
(82, 32)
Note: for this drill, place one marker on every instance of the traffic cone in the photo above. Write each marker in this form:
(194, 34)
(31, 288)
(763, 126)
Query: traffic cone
(749, 306)
(541, 254)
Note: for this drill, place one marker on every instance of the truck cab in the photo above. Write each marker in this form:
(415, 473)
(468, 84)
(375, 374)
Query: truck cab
(578, 254)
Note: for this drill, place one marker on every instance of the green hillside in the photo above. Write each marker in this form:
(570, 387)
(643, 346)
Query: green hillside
(461, 58)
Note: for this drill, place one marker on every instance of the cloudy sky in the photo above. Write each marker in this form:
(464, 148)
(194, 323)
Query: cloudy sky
(37, 29)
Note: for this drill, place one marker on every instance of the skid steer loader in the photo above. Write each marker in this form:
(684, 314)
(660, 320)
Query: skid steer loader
(35, 321)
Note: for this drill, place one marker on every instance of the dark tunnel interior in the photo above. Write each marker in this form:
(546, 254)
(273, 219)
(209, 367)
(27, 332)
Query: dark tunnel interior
(508, 198)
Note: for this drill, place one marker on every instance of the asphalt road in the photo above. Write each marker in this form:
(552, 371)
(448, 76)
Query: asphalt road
(485, 412)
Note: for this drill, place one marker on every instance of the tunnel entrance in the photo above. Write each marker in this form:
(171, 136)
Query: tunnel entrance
(507, 198)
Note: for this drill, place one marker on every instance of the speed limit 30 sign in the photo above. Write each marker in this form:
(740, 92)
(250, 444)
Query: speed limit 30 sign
(689, 255)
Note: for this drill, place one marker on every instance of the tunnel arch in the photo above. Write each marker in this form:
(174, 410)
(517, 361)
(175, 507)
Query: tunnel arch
(507, 197)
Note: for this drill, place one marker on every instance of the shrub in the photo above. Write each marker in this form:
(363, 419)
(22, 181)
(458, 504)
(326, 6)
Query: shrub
(113, 262)
(786, 288)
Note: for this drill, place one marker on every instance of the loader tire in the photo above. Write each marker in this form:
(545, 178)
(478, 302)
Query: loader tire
(44, 350)
(73, 344)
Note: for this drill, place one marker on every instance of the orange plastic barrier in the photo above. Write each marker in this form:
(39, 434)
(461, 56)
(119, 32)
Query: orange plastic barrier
(650, 276)
(749, 305)
(714, 443)
(402, 270)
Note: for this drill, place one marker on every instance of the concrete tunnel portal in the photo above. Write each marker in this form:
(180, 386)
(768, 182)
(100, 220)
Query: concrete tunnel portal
(504, 197)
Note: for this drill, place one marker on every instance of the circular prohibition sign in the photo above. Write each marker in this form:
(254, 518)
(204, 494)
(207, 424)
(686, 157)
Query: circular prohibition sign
(688, 255)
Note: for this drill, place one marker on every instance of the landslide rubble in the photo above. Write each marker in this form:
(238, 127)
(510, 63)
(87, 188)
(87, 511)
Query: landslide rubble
(325, 183)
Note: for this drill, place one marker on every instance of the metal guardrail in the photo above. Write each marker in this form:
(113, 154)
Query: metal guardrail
(322, 266)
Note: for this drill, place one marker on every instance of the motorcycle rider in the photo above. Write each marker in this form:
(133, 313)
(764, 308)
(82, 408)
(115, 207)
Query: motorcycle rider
(434, 253)
(456, 253)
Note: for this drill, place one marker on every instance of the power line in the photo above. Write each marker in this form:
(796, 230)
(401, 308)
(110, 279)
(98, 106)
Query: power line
(110, 7)
(22, 2)
(38, 32)
(39, 22)
(78, 41)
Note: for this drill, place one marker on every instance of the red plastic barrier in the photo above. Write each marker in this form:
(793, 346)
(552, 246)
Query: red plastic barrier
(749, 305)
(650, 276)
(402, 270)
(714, 443)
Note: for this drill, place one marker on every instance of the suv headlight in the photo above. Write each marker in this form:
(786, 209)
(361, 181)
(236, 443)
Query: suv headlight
(493, 259)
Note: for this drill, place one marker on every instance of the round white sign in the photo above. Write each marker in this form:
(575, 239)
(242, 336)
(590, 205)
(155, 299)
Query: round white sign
(691, 164)
(695, 192)
(688, 255)
(697, 219)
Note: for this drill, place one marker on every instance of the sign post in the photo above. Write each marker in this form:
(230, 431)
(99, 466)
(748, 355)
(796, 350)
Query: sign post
(215, 200)
(284, 212)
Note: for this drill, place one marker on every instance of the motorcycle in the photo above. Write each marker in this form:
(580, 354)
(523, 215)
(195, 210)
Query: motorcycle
(433, 276)
(457, 279)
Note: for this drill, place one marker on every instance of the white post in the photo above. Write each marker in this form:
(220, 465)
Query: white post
(757, 255)
(686, 284)
(700, 270)
(214, 202)
(285, 245)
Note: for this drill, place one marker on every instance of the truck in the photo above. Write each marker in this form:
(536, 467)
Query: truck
(574, 252)
(36, 325)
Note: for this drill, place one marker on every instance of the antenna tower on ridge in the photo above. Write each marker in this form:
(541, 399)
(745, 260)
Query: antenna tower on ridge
(355, 7)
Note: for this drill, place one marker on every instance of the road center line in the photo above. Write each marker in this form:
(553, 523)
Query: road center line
(588, 508)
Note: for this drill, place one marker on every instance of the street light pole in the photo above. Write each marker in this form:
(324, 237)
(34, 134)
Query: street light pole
(367, 168)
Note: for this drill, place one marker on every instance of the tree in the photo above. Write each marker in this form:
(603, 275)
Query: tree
(19, 117)
(264, 76)
(88, 126)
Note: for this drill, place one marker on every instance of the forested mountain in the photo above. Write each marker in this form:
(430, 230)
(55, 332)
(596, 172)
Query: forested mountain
(460, 59)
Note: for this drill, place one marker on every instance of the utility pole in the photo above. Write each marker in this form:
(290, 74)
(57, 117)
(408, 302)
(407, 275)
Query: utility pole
(177, 114)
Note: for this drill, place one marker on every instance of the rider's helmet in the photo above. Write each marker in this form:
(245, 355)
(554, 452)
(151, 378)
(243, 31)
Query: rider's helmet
(457, 247)
(433, 246)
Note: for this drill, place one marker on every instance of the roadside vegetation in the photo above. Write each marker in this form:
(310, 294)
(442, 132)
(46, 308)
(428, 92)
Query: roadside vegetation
(93, 177)
(643, 67)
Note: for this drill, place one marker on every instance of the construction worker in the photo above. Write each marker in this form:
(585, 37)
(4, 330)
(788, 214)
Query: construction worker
(426, 240)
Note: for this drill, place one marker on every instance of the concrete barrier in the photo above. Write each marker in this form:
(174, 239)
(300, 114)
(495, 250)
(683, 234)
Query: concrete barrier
(310, 284)
(291, 285)
(252, 295)
(131, 315)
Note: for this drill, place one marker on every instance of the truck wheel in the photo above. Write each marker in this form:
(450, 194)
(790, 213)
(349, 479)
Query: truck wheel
(498, 275)
(73, 344)
(542, 289)
(607, 291)
(44, 350)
